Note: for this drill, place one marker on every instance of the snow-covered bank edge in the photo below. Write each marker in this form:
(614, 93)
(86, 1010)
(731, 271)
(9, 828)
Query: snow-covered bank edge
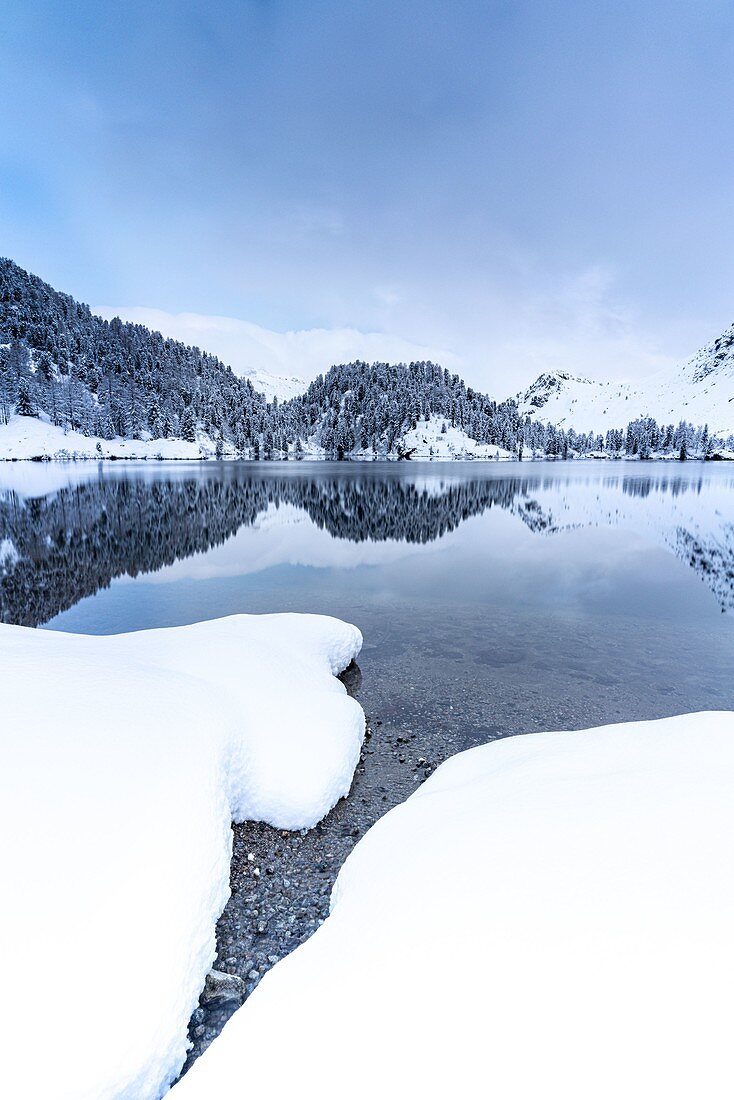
(32, 439)
(124, 761)
(29, 438)
(545, 915)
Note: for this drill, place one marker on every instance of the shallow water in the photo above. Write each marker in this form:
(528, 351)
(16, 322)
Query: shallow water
(494, 598)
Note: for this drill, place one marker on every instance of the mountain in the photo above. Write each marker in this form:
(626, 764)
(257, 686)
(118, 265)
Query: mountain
(282, 386)
(74, 385)
(107, 379)
(68, 376)
(370, 408)
(700, 391)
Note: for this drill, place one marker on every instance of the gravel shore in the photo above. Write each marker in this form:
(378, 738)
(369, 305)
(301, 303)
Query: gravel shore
(281, 881)
(425, 702)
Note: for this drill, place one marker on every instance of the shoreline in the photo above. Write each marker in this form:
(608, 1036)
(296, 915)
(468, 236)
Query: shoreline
(281, 880)
(357, 460)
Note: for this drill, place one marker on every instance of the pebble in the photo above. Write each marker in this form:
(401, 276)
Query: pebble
(271, 913)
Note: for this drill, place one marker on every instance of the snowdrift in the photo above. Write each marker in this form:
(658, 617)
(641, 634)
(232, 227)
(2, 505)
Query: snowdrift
(27, 437)
(123, 761)
(547, 916)
(435, 438)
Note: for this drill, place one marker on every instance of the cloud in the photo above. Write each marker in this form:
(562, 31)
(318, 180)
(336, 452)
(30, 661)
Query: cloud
(305, 353)
(579, 325)
(498, 341)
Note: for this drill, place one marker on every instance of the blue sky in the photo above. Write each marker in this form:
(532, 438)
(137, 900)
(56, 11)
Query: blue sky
(513, 186)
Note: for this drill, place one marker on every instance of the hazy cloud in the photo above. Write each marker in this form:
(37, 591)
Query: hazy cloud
(508, 188)
(305, 353)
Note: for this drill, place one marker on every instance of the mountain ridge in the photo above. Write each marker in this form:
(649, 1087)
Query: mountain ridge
(700, 390)
(74, 385)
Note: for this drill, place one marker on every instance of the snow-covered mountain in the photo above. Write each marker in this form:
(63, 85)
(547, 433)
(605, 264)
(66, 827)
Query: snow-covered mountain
(274, 385)
(701, 392)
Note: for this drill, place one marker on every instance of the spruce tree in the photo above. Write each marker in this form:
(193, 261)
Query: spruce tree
(188, 425)
(25, 406)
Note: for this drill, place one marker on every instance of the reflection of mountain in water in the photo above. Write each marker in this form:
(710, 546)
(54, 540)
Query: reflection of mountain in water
(57, 549)
(686, 516)
(61, 548)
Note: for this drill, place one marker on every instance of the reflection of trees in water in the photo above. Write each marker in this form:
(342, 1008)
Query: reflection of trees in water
(714, 562)
(74, 542)
(366, 508)
(672, 484)
(709, 554)
(70, 544)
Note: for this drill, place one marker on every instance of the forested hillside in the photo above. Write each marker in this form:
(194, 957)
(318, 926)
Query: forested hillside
(106, 378)
(370, 407)
(110, 380)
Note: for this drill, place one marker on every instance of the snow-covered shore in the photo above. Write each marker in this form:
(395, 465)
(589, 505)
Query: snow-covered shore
(29, 438)
(547, 915)
(123, 761)
(32, 439)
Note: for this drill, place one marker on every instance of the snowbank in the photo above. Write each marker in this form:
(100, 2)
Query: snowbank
(429, 440)
(547, 916)
(27, 437)
(435, 438)
(123, 761)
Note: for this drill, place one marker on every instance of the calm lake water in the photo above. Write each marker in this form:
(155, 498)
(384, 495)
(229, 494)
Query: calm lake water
(493, 598)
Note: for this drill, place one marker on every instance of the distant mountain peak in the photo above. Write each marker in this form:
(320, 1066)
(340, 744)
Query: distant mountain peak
(700, 391)
(284, 387)
(715, 358)
(546, 386)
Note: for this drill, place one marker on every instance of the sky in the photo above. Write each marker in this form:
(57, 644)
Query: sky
(507, 187)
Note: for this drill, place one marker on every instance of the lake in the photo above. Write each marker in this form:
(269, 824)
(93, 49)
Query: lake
(494, 598)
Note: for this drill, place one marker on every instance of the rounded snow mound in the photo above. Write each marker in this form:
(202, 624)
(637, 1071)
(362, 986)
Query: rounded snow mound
(548, 915)
(123, 761)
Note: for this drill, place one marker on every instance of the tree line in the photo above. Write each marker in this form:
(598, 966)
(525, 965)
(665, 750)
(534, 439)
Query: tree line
(112, 379)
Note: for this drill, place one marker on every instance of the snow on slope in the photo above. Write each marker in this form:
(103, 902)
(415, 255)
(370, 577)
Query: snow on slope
(427, 440)
(27, 437)
(275, 385)
(547, 916)
(122, 762)
(701, 392)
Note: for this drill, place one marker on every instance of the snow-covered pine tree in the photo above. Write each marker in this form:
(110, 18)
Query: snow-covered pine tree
(188, 425)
